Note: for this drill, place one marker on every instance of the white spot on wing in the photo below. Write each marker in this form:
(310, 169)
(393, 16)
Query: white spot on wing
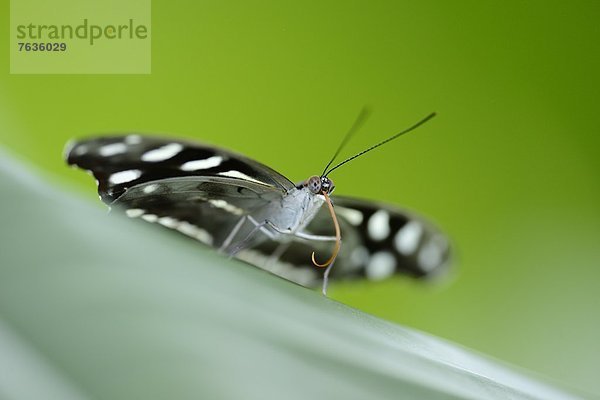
(80, 150)
(379, 225)
(381, 265)
(224, 205)
(193, 231)
(112, 149)
(407, 238)
(432, 253)
(359, 257)
(187, 229)
(196, 165)
(240, 175)
(150, 188)
(162, 153)
(124, 176)
(150, 217)
(169, 222)
(351, 215)
(204, 237)
(134, 212)
(133, 139)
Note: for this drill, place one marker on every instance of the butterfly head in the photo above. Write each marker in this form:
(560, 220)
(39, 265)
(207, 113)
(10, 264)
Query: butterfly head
(319, 184)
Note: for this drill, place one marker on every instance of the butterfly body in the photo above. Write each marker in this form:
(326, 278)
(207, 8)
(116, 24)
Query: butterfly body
(281, 221)
(245, 209)
(294, 211)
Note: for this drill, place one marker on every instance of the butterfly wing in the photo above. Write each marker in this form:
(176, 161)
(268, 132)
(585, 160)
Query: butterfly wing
(378, 241)
(198, 190)
(121, 162)
(387, 240)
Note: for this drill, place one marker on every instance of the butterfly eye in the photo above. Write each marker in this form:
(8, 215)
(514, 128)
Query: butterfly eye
(314, 184)
(327, 185)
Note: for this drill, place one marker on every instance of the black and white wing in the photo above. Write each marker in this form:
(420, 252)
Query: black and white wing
(381, 240)
(199, 190)
(378, 241)
(203, 191)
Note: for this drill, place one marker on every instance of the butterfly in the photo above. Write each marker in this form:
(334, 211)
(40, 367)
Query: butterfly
(251, 212)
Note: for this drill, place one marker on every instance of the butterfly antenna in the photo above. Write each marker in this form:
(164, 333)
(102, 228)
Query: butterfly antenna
(360, 120)
(415, 126)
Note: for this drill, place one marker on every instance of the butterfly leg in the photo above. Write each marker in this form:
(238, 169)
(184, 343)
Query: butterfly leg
(242, 244)
(263, 227)
(232, 234)
(282, 247)
(298, 234)
(258, 226)
(320, 238)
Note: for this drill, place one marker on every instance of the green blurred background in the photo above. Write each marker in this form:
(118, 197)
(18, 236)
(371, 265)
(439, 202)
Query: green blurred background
(510, 167)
